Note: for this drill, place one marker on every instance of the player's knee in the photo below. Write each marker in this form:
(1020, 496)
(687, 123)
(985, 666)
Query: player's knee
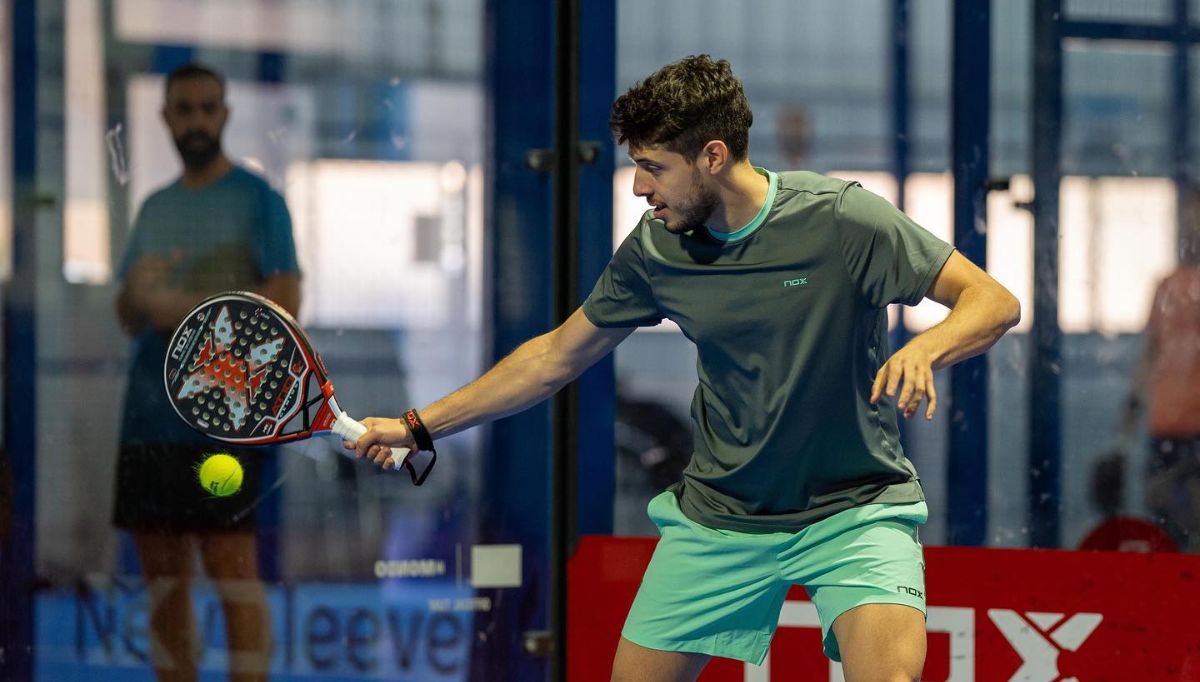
(244, 592)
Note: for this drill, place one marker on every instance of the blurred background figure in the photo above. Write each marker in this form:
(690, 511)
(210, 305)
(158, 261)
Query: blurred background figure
(1119, 531)
(653, 447)
(217, 227)
(1166, 385)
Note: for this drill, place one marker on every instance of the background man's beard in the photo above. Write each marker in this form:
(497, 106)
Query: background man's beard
(195, 155)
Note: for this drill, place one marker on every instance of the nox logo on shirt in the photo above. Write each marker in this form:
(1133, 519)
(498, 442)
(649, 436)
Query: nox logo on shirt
(798, 282)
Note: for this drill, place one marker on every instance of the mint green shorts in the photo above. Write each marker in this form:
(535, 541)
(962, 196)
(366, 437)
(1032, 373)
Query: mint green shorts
(719, 592)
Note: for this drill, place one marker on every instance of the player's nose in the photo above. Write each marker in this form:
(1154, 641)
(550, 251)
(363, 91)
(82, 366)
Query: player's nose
(642, 184)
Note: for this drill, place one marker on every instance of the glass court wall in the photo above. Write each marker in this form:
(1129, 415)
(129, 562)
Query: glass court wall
(367, 118)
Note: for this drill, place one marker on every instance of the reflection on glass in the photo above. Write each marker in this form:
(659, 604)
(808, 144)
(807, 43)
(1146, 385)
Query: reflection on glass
(5, 151)
(1116, 112)
(365, 122)
(1118, 240)
(1144, 11)
(86, 247)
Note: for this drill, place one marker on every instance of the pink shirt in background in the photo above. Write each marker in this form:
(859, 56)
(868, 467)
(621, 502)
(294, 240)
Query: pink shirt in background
(1174, 381)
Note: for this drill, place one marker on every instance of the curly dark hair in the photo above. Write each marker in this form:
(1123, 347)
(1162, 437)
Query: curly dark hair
(683, 106)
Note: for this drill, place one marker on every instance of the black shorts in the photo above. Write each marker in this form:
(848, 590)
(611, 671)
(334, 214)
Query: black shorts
(158, 488)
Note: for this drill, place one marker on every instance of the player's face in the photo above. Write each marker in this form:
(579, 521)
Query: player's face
(195, 114)
(674, 187)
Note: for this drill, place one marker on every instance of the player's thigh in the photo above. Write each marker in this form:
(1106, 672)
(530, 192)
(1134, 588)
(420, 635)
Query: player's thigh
(881, 642)
(634, 662)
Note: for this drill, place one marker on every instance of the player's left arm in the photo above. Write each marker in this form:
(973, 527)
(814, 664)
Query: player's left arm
(981, 311)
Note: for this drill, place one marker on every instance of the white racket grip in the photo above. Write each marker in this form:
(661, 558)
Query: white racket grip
(351, 430)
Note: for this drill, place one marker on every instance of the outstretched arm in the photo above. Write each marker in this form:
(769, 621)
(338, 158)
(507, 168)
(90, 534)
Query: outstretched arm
(530, 374)
(981, 310)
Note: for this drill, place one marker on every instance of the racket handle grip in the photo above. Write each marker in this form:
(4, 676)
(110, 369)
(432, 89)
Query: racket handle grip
(352, 429)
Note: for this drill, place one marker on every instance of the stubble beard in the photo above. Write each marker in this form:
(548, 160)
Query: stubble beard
(694, 215)
(197, 156)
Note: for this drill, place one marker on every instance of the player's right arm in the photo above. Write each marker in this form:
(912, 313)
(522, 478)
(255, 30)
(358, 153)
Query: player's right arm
(530, 374)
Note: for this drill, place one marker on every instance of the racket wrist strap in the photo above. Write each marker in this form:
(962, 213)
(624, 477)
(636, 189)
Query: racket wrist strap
(419, 433)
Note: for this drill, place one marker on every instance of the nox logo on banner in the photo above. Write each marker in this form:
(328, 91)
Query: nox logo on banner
(1037, 637)
(1017, 615)
(1040, 637)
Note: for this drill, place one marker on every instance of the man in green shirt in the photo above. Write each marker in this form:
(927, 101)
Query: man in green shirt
(797, 476)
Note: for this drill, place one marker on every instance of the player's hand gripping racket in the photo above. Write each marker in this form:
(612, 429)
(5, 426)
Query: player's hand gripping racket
(239, 369)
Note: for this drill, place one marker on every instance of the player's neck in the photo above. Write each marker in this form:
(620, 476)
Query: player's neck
(743, 194)
(203, 176)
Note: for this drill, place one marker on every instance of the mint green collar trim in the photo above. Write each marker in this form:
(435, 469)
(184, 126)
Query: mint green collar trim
(758, 220)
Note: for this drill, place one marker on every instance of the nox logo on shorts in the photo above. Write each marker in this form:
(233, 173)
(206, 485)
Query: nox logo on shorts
(1040, 637)
(798, 282)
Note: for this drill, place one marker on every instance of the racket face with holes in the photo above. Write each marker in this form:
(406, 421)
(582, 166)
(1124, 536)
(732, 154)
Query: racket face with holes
(239, 369)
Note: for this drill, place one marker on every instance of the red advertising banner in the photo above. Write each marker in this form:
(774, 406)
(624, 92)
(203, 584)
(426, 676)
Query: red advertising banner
(995, 615)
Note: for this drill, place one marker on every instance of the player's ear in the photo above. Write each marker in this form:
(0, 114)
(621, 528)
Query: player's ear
(714, 156)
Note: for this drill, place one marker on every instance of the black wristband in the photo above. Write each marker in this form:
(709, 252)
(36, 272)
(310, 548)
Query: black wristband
(419, 433)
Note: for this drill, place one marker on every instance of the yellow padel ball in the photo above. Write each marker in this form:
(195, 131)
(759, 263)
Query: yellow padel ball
(221, 474)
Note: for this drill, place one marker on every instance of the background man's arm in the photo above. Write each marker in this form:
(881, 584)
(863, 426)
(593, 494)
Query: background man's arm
(283, 288)
(145, 278)
(530, 374)
(142, 301)
(128, 313)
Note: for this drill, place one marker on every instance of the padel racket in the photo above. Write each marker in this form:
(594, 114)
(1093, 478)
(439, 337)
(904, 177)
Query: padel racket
(239, 369)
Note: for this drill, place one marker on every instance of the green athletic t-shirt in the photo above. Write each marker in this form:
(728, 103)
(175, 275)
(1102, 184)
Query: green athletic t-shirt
(789, 318)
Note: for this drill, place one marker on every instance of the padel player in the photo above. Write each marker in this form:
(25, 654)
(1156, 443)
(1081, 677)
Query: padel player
(797, 477)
